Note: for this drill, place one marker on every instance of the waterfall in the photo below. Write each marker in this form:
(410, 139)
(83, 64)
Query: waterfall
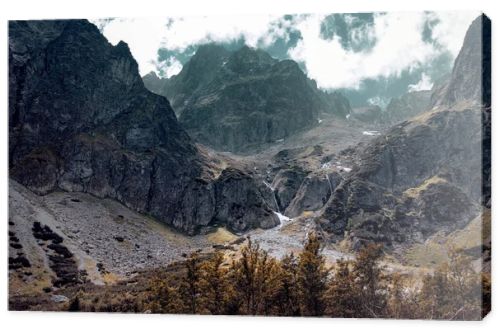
(274, 196)
(282, 218)
(329, 184)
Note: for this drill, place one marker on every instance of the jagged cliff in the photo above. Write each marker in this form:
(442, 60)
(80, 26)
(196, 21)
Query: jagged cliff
(80, 119)
(244, 100)
(407, 106)
(423, 175)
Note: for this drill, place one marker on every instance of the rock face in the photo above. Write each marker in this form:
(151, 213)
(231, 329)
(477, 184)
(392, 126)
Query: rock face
(313, 194)
(154, 83)
(241, 203)
(367, 114)
(286, 184)
(80, 119)
(423, 175)
(470, 79)
(407, 106)
(243, 100)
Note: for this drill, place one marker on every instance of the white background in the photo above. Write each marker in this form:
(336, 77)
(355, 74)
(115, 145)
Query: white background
(32, 322)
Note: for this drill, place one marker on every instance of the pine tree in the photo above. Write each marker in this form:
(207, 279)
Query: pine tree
(312, 278)
(244, 276)
(267, 284)
(370, 286)
(256, 279)
(402, 301)
(434, 297)
(341, 298)
(287, 296)
(453, 291)
(189, 287)
(214, 286)
(165, 296)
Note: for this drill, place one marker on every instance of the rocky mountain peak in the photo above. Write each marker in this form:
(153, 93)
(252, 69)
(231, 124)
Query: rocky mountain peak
(210, 50)
(80, 119)
(407, 106)
(244, 100)
(249, 60)
(123, 49)
(472, 69)
(392, 195)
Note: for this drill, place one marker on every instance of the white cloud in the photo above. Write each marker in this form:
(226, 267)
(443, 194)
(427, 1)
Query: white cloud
(146, 36)
(425, 83)
(187, 31)
(399, 45)
(379, 101)
(450, 31)
(170, 67)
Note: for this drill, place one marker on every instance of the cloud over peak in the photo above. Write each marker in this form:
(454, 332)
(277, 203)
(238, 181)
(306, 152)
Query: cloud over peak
(337, 50)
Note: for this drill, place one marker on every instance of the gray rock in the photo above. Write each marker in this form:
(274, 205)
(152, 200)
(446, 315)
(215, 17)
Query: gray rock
(367, 114)
(286, 183)
(80, 119)
(244, 100)
(471, 76)
(240, 205)
(407, 106)
(423, 175)
(313, 193)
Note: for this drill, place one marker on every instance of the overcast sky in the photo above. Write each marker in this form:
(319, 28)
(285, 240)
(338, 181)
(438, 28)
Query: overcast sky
(373, 55)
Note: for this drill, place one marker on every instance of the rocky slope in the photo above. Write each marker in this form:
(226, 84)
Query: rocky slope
(407, 106)
(423, 175)
(80, 119)
(199, 71)
(368, 114)
(470, 79)
(244, 100)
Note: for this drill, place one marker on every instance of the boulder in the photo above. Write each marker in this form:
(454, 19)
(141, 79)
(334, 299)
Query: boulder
(313, 193)
(286, 183)
(240, 206)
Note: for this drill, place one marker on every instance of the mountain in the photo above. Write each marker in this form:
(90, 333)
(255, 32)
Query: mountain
(244, 100)
(80, 119)
(154, 83)
(422, 176)
(197, 72)
(470, 79)
(368, 114)
(407, 106)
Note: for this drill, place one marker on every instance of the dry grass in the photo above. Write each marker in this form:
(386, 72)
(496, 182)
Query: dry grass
(221, 236)
(110, 278)
(415, 192)
(435, 250)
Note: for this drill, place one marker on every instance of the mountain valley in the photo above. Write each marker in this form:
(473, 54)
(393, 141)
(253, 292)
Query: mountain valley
(113, 175)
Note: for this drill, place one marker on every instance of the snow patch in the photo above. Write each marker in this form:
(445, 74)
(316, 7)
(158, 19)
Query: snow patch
(345, 169)
(371, 133)
(326, 165)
